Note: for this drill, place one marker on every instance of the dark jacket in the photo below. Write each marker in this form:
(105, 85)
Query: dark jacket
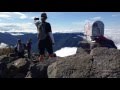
(28, 45)
(104, 42)
(41, 33)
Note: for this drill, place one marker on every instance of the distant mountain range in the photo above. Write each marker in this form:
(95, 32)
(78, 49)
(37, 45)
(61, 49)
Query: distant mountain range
(61, 39)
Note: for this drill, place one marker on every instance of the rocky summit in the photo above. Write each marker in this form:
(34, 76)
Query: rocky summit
(100, 62)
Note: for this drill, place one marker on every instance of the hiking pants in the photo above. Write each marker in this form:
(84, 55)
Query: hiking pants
(29, 53)
(45, 44)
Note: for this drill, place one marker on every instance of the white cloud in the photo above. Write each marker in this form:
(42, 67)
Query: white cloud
(73, 27)
(16, 34)
(77, 26)
(18, 27)
(4, 16)
(118, 46)
(32, 17)
(115, 15)
(96, 18)
(12, 15)
(113, 34)
(22, 16)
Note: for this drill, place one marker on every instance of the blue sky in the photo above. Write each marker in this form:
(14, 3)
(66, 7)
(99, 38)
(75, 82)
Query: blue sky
(60, 21)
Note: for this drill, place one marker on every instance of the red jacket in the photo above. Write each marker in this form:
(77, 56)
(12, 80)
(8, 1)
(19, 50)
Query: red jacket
(101, 39)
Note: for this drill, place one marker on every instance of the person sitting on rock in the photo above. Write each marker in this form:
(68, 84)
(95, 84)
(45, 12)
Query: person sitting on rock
(102, 41)
(28, 47)
(19, 49)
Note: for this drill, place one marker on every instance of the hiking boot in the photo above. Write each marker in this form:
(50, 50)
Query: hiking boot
(52, 55)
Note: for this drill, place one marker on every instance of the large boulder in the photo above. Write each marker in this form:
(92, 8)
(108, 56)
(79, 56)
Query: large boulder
(6, 50)
(17, 67)
(7, 59)
(106, 63)
(81, 51)
(4, 58)
(102, 62)
(39, 69)
(4, 62)
(77, 66)
(3, 70)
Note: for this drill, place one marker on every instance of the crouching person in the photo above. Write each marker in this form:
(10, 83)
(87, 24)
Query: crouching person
(102, 41)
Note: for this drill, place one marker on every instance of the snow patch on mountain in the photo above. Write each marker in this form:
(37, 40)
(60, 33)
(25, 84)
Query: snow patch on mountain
(3, 45)
(66, 51)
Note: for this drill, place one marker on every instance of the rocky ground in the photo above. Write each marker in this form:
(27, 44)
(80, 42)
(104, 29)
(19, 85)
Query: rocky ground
(13, 67)
(101, 62)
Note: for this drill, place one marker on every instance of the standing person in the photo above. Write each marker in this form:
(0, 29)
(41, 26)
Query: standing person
(45, 37)
(29, 47)
(19, 48)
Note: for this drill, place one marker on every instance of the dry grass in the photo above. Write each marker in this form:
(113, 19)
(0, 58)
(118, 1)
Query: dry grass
(6, 51)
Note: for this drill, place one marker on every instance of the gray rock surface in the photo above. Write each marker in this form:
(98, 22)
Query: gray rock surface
(106, 63)
(100, 63)
(39, 70)
(77, 66)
